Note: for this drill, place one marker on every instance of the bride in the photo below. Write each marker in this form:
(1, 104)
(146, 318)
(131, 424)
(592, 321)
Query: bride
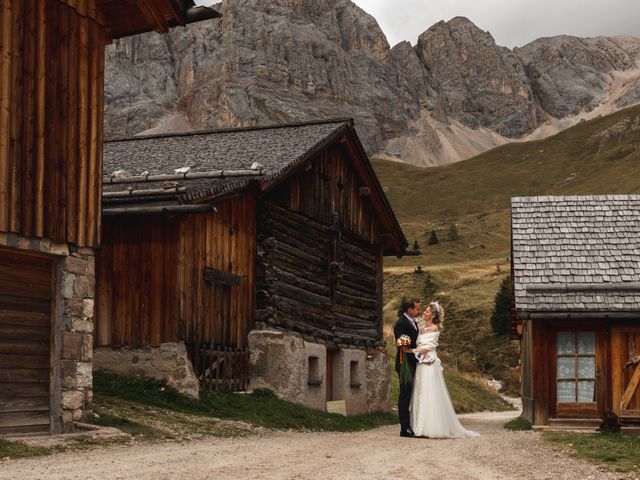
(432, 413)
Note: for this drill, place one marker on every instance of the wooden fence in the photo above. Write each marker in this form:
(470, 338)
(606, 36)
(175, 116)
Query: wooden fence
(222, 368)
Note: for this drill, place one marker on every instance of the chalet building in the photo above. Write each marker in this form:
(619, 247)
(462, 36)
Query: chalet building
(576, 268)
(252, 254)
(51, 97)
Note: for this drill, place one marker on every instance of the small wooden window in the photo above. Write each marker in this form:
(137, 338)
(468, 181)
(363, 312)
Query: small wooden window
(576, 367)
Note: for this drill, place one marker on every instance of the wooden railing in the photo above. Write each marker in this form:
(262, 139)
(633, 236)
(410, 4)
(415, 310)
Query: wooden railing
(223, 368)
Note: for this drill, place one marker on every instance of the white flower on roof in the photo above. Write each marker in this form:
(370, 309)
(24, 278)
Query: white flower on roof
(256, 166)
(120, 173)
(182, 170)
(145, 173)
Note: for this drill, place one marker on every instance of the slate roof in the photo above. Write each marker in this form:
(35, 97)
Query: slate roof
(275, 148)
(576, 253)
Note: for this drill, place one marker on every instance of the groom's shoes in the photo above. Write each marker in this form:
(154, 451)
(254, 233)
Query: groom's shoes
(407, 432)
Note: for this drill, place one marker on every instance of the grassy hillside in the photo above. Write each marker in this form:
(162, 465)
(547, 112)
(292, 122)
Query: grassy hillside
(601, 156)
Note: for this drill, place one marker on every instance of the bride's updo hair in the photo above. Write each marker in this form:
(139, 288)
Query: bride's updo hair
(437, 314)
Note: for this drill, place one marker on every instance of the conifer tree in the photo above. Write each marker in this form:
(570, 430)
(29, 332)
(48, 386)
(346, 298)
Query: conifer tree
(501, 316)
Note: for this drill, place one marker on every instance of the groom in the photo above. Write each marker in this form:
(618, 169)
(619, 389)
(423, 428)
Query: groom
(406, 325)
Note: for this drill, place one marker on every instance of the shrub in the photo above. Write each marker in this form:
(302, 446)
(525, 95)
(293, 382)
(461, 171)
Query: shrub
(416, 245)
(433, 238)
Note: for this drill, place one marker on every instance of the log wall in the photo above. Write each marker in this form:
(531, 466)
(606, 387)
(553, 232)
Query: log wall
(51, 110)
(296, 291)
(151, 285)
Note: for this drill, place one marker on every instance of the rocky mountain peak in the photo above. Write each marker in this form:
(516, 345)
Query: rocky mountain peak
(478, 78)
(453, 95)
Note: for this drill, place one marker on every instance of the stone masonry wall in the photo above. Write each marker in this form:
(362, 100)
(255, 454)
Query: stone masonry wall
(169, 362)
(77, 283)
(295, 370)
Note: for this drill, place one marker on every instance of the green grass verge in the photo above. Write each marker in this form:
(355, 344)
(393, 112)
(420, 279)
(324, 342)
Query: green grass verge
(601, 156)
(12, 450)
(518, 424)
(261, 408)
(618, 452)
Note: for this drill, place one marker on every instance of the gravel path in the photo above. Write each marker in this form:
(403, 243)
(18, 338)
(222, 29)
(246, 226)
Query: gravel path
(374, 454)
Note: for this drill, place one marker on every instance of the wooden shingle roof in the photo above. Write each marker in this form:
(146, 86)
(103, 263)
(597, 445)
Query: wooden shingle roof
(270, 150)
(177, 170)
(576, 253)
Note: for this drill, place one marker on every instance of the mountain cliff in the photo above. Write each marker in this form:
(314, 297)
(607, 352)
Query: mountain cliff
(454, 94)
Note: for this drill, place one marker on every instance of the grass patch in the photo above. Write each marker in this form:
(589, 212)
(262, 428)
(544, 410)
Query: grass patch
(135, 429)
(11, 450)
(260, 408)
(518, 424)
(618, 452)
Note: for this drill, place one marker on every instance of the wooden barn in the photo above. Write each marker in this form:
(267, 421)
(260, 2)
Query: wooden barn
(576, 268)
(258, 249)
(51, 97)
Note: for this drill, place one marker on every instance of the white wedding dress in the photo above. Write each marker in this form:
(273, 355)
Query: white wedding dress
(432, 413)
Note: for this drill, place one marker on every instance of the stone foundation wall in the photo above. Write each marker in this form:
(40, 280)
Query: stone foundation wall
(296, 370)
(169, 362)
(72, 348)
(76, 280)
(378, 373)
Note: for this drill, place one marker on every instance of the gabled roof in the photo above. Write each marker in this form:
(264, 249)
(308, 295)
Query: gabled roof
(576, 253)
(224, 162)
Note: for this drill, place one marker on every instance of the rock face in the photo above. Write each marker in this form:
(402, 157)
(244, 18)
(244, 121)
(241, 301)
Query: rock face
(482, 84)
(569, 74)
(452, 95)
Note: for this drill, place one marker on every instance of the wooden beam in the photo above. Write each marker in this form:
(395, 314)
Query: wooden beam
(631, 388)
(5, 109)
(155, 19)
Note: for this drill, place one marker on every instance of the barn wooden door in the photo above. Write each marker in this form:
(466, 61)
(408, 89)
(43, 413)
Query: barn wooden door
(626, 371)
(577, 383)
(26, 301)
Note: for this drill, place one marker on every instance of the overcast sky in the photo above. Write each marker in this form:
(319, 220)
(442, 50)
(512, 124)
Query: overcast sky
(512, 23)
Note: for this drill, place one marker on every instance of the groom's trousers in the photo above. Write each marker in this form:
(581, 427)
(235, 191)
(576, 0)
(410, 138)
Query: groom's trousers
(404, 401)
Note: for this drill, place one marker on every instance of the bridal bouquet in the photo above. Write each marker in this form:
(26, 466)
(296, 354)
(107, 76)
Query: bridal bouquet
(406, 371)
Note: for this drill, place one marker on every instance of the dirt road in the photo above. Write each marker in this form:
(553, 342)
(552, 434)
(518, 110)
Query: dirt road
(375, 454)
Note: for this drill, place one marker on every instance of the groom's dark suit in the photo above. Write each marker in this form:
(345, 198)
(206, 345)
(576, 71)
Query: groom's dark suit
(405, 326)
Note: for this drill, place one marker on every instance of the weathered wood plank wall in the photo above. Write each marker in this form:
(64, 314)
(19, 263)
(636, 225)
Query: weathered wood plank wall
(51, 89)
(329, 184)
(211, 313)
(136, 276)
(151, 285)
